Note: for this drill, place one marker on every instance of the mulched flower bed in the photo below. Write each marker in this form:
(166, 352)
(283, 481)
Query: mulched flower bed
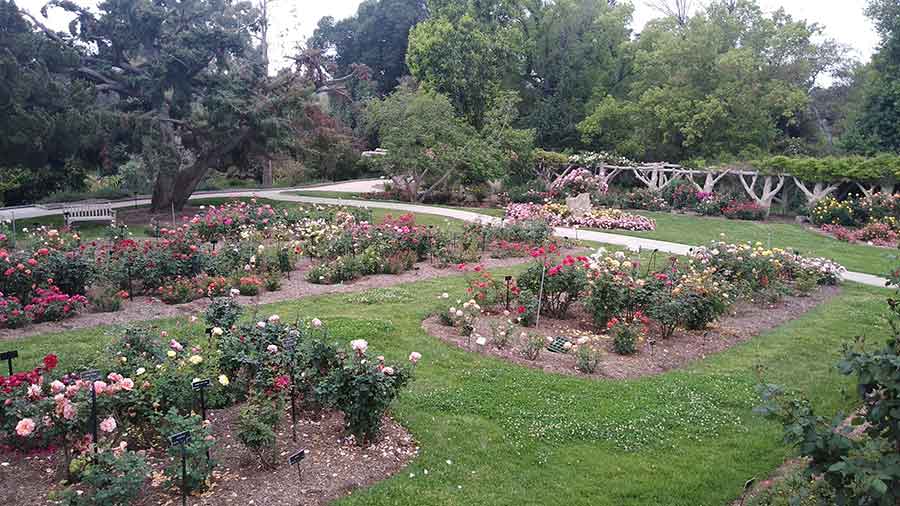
(148, 308)
(744, 321)
(334, 466)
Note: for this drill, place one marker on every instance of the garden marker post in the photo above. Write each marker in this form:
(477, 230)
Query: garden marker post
(9, 356)
(294, 460)
(181, 439)
(92, 376)
(540, 294)
(508, 280)
(201, 386)
(290, 344)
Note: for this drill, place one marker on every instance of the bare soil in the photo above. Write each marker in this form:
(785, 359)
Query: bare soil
(334, 466)
(745, 321)
(294, 287)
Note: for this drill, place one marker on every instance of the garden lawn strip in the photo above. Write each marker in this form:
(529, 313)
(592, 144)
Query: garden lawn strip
(743, 322)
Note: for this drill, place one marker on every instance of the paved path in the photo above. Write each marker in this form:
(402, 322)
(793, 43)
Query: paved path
(371, 185)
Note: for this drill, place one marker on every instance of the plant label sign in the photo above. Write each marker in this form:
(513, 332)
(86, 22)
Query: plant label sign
(290, 343)
(180, 438)
(9, 355)
(201, 384)
(91, 375)
(296, 458)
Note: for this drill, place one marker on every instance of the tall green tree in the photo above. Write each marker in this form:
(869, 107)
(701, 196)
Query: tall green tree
(376, 36)
(727, 81)
(47, 125)
(878, 124)
(573, 49)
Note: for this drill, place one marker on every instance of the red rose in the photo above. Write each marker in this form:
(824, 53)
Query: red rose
(50, 362)
(520, 309)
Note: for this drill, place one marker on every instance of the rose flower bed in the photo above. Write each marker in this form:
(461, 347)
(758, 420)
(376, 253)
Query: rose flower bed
(591, 310)
(244, 248)
(559, 215)
(146, 391)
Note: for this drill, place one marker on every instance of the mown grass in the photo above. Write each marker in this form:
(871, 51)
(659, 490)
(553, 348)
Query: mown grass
(495, 433)
(696, 230)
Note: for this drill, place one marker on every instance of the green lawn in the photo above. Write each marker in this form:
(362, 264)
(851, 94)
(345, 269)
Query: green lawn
(492, 433)
(695, 230)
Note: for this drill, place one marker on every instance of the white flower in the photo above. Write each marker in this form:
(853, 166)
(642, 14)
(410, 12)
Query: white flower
(234, 292)
(481, 341)
(140, 371)
(274, 318)
(316, 322)
(414, 357)
(261, 325)
(445, 295)
(217, 331)
(272, 348)
(359, 345)
(388, 371)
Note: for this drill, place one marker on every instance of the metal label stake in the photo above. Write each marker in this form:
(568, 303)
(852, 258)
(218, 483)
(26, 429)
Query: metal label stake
(9, 356)
(92, 376)
(295, 460)
(181, 439)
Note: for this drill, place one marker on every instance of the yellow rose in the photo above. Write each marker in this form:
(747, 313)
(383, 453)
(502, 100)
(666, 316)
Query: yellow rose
(223, 380)
(196, 359)
(171, 353)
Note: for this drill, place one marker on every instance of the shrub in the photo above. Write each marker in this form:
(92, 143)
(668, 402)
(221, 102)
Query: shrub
(363, 389)
(628, 333)
(257, 424)
(646, 199)
(180, 291)
(833, 212)
(51, 305)
(223, 313)
(105, 299)
(111, 478)
(587, 358)
(12, 313)
(562, 284)
(532, 344)
(249, 285)
(744, 211)
(199, 468)
(502, 333)
(527, 310)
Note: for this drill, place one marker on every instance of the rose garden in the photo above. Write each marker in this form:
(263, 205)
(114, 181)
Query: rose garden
(449, 252)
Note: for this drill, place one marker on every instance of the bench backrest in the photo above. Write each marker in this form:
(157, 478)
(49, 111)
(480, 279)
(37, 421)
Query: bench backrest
(90, 213)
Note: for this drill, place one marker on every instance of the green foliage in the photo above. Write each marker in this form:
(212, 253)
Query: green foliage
(223, 312)
(363, 389)
(199, 469)
(860, 469)
(728, 81)
(562, 286)
(111, 478)
(257, 424)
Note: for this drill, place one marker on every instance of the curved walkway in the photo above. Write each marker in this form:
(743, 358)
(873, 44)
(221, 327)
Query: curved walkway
(359, 186)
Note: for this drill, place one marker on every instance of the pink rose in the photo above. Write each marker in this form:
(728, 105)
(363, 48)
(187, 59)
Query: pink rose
(414, 357)
(57, 387)
(25, 427)
(99, 387)
(69, 411)
(127, 384)
(108, 425)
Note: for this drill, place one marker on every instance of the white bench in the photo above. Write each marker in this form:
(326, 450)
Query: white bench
(90, 213)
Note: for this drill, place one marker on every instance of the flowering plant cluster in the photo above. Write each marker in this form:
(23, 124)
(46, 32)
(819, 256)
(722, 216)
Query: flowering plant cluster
(857, 211)
(578, 181)
(559, 215)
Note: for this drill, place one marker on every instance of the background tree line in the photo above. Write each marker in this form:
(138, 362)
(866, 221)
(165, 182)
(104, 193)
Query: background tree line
(457, 91)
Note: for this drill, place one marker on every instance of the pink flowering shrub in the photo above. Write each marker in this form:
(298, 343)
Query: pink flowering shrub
(559, 216)
(879, 234)
(51, 305)
(578, 181)
(12, 314)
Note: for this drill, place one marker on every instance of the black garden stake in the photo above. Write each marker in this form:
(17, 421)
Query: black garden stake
(92, 376)
(201, 386)
(294, 460)
(181, 439)
(290, 345)
(9, 356)
(508, 282)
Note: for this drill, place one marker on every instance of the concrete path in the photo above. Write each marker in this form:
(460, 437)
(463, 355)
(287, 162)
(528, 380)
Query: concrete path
(362, 186)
